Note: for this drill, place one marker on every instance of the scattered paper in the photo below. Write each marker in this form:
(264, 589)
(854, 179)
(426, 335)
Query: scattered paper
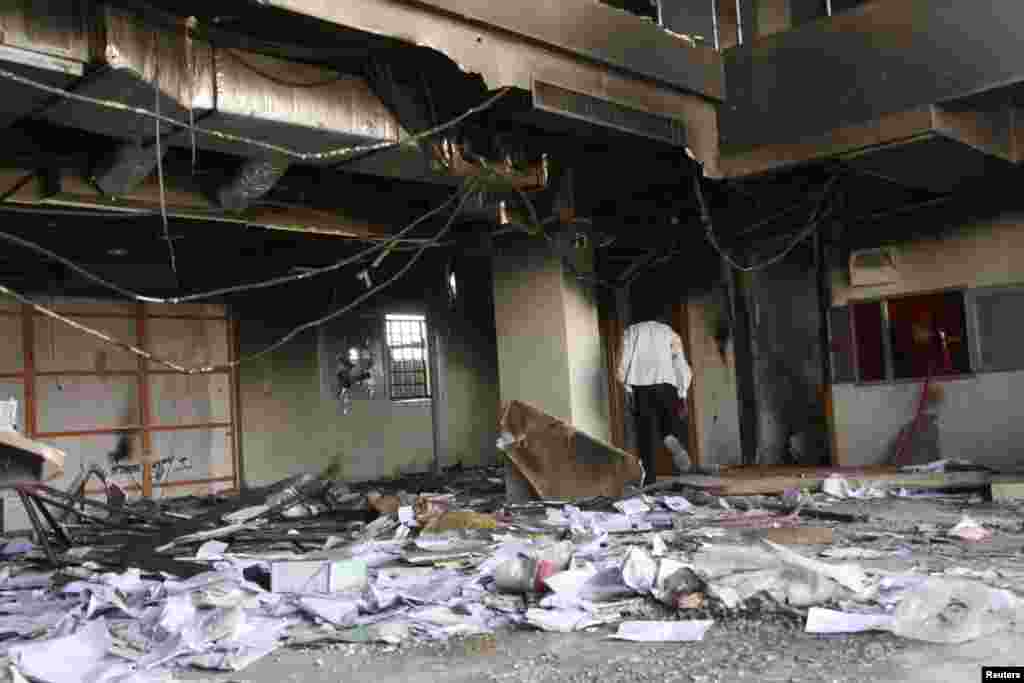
(676, 503)
(77, 658)
(854, 554)
(571, 581)
(341, 613)
(663, 631)
(17, 548)
(407, 516)
(211, 549)
(245, 514)
(658, 547)
(970, 530)
(829, 621)
(632, 506)
(561, 620)
(849, 575)
(639, 571)
(938, 466)
(839, 487)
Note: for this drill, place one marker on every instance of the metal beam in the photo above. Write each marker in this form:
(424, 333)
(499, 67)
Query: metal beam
(874, 60)
(584, 28)
(186, 200)
(510, 59)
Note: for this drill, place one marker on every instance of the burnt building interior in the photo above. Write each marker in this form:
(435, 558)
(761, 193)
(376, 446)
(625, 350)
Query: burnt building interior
(367, 241)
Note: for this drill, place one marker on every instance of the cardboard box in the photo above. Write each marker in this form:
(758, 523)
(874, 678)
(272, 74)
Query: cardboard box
(318, 576)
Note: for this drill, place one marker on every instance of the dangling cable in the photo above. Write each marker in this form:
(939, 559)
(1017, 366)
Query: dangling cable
(160, 172)
(812, 225)
(471, 188)
(339, 154)
(223, 291)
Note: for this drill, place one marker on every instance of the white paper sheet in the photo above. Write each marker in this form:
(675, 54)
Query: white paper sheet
(77, 658)
(211, 549)
(676, 503)
(632, 506)
(560, 620)
(849, 575)
(639, 570)
(854, 554)
(570, 582)
(338, 612)
(663, 631)
(970, 530)
(245, 514)
(821, 620)
(407, 516)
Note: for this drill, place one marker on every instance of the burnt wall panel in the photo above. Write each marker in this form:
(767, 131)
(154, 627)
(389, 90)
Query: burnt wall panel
(787, 363)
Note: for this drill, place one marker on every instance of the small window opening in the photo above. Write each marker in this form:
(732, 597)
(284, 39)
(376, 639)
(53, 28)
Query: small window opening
(912, 337)
(407, 355)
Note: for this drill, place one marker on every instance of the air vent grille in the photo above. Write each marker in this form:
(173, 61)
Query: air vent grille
(557, 100)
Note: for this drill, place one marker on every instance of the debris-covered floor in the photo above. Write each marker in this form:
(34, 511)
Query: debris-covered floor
(439, 577)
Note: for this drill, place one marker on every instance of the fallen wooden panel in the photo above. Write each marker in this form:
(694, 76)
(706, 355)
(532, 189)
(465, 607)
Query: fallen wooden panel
(800, 535)
(1007, 491)
(560, 462)
(776, 482)
(34, 460)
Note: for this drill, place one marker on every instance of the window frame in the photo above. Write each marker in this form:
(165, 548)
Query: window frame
(970, 329)
(427, 351)
(973, 324)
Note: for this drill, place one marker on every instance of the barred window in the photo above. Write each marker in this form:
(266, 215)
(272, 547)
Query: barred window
(407, 356)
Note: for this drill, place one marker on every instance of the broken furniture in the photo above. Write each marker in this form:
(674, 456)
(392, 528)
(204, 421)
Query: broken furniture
(560, 462)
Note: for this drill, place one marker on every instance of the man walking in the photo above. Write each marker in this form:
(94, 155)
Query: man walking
(656, 376)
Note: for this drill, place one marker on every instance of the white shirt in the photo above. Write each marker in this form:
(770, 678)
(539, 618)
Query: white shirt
(652, 353)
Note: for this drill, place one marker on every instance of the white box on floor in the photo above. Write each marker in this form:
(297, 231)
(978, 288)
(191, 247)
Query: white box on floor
(317, 576)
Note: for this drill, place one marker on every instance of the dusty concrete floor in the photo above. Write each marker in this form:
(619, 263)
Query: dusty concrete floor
(766, 647)
(729, 653)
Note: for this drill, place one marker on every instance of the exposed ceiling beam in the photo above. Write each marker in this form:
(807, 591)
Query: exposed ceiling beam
(185, 199)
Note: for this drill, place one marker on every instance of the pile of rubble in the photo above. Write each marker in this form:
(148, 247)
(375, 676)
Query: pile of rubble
(132, 592)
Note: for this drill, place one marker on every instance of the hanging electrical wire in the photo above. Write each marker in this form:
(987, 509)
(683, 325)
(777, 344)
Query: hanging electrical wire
(234, 289)
(338, 154)
(172, 255)
(537, 228)
(277, 80)
(812, 224)
(470, 189)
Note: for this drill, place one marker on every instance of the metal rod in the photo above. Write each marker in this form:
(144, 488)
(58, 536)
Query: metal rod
(41, 532)
(46, 492)
(54, 524)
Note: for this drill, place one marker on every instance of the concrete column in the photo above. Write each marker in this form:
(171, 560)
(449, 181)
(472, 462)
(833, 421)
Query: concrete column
(549, 340)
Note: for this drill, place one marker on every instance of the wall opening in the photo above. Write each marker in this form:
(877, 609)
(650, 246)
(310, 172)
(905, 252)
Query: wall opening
(408, 369)
(911, 337)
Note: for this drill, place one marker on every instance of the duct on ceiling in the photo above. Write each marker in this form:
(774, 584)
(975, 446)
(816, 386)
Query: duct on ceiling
(241, 94)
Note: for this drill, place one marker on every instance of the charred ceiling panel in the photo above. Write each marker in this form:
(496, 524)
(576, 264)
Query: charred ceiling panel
(876, 59)
(932, 162)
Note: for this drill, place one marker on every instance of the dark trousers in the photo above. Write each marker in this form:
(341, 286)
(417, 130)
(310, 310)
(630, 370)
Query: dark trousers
(654, 409)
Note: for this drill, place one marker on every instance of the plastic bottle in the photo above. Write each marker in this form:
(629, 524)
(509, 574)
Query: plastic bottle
(944, 611)
(527, 573)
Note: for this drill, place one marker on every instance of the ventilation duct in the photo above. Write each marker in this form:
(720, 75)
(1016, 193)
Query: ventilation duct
(253, 180)
(126, 168)
(562, 107)
(229, 92)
